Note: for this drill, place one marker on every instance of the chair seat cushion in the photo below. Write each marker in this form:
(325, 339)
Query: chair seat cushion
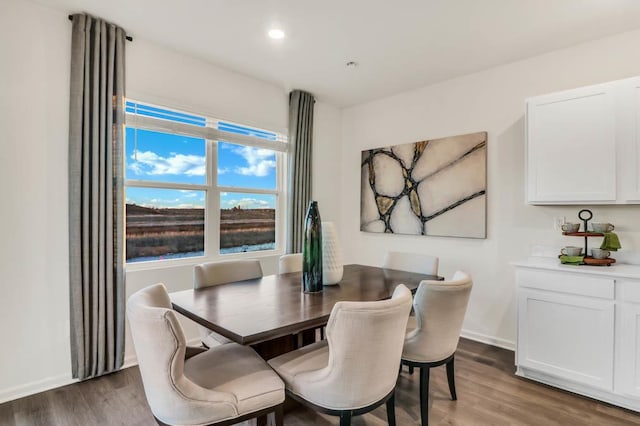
(415, 350)
(412, 324)
(308, 358)
(213, 339)
(239, 371)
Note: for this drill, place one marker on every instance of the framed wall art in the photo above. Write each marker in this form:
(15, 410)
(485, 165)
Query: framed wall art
(434, 187)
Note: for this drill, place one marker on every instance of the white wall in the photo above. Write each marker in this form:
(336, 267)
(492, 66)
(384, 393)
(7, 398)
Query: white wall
(34, 99)
(492, 100)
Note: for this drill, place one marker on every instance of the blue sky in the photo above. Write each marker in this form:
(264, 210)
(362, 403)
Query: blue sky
(162, 157)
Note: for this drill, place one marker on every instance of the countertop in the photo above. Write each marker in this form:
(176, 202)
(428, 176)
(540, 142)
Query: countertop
(619, 270)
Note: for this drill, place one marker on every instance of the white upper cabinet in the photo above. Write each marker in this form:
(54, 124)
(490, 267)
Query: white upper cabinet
(582, 145)
(629, 137)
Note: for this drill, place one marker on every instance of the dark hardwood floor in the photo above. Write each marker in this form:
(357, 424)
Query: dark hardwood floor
(488, 394)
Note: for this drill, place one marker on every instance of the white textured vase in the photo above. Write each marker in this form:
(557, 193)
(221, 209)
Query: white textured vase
(332, 267)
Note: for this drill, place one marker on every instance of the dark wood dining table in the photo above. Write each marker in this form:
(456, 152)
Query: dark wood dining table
(274, 306)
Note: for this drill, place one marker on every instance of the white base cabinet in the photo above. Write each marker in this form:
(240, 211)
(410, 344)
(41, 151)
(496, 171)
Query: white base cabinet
(628, 375)
(579, 329)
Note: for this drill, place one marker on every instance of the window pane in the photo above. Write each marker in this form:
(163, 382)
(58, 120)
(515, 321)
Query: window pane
(247, 222)
(244, 130)
(164, 224)
(165, 157)
(246, 166)
(165, 114)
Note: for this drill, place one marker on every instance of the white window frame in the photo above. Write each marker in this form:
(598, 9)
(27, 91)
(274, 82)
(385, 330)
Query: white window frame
(212, 191)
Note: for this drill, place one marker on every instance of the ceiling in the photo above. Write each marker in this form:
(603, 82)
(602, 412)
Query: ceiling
(398, 45)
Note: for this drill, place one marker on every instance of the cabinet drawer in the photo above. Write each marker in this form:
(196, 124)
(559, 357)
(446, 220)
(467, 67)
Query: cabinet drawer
(629, 290)
(563, 282)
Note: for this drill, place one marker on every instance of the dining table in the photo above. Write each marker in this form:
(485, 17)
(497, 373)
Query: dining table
(273, 308)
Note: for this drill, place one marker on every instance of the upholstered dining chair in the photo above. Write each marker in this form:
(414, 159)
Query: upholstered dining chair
(356, 368)
(433, 333)
(411, 262)
(194, 386)
(290, 263)
(222, 272)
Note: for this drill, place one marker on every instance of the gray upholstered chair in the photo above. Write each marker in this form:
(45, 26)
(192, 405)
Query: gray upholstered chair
(411, 262)
(356, 368)
(216, 273)
(194, 386)
(433, 334)
(290, 263)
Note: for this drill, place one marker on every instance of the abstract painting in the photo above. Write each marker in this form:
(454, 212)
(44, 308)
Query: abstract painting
(434, 187)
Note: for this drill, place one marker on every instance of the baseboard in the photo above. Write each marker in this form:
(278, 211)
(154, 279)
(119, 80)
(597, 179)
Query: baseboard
(32, 388)
(489, 340)
(35, 387)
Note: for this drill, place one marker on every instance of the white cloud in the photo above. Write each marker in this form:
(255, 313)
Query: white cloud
(150, 163)
(260, 161)
(188, 193)
(223, 170)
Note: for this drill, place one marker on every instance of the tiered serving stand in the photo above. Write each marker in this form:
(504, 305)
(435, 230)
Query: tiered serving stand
(585, 216)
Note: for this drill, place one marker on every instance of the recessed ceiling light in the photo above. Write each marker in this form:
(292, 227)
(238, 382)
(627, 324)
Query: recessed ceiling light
(276, 34)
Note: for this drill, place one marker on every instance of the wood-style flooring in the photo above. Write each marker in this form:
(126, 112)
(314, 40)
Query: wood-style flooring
(488, 394)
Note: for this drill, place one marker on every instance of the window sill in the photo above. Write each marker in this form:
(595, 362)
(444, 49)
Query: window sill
(192, 261)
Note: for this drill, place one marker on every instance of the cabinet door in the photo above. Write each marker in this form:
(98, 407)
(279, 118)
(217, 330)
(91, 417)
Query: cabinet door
(571, 147)
(567, 336)
(629, 368)
(628, 115)
(628, 338)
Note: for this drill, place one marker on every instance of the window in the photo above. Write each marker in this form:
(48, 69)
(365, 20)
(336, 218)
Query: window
(197, 186)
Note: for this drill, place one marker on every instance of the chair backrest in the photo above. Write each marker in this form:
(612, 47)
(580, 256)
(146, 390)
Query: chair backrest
(365, 346)
(290, 263)
(411, 262)
(440, 307)
(160, 348)
(226, 271)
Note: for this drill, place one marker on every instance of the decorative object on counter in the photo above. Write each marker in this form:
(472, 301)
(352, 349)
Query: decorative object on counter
(597, 253)
(570, 227)
(602, 227)
(433, 187)
(571, 260)
(599, 257)
(332, 264)
(611, 242)
(599, 262)
(571, 251)
(312, 250)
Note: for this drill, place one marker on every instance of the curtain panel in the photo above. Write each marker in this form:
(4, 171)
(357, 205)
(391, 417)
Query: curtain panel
(299, 166)
(96, 197)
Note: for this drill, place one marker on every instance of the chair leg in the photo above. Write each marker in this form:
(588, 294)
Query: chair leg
(411, 369)
(424, 395)
(279, 415)
(452, 380)
(391, 410)
(345, 418)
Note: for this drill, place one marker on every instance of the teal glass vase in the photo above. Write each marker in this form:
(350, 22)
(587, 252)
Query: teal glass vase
(312, 250)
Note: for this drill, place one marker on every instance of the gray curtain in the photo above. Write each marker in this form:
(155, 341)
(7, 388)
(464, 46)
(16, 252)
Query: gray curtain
(299, 179)
(96, 197)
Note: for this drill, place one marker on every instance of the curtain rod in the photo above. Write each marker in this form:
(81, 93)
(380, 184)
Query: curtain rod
(127, 37)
